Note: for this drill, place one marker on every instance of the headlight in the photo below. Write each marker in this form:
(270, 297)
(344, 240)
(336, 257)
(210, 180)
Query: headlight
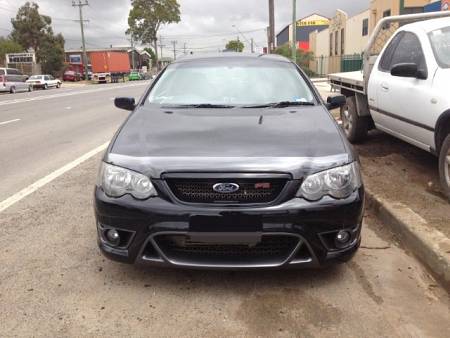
(337, 182)
(116, 181)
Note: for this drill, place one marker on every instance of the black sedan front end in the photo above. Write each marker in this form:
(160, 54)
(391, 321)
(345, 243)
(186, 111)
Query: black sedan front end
(229, 186)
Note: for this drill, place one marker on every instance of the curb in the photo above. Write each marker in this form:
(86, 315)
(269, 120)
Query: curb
(430, 246)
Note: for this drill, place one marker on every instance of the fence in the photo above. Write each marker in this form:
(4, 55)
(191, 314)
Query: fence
(323, 65)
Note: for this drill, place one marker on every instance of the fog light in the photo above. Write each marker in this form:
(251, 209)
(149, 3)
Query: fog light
(113, 237)
(342, 239)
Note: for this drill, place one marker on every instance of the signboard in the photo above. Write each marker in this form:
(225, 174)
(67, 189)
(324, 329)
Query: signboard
(75, 59)
(20, 58)
(445, 4)
(317, 22)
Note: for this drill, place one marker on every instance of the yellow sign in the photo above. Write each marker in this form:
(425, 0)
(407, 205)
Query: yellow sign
(319, 22)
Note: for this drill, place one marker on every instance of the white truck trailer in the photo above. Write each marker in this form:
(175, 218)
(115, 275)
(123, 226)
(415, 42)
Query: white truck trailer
(404, 87)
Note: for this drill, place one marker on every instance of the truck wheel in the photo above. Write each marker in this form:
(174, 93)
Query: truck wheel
(444, 166)
(355, 126)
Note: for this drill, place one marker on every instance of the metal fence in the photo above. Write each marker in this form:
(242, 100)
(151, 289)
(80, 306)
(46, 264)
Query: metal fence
(323, 65)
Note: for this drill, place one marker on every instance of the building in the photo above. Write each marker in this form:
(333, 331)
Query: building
(25, 62)
(305, 26)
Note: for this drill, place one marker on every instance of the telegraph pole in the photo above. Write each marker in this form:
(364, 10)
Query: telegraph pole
(174, 43)
(294, 31)
(132, 52)
(271, 46)
(80, 5)
(184, 47)
(252, 44)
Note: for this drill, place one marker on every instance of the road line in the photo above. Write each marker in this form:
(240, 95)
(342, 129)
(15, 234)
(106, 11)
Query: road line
(71, 93)
(50, 177)
(7, 122)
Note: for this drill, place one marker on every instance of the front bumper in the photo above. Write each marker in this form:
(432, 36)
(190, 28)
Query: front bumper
(296, 233)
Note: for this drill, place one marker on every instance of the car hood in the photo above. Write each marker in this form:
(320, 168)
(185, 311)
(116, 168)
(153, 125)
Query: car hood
(295, 140)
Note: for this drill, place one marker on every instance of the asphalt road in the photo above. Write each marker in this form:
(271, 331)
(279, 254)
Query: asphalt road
(55, 283)
(43, 130)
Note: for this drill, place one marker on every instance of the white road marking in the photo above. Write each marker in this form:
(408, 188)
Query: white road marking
(71, 93)
(10, 121)
(50, 177)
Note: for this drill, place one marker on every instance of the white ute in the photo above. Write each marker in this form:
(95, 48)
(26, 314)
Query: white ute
(404, 90)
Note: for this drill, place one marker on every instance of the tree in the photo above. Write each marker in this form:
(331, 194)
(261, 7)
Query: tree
(235, 45)
(147, 16)
(33, 30)
(8, 46)
(29, 27)
(303, 58)
(151, 52)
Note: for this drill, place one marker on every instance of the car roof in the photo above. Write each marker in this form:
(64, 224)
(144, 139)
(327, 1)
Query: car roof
(231, 56)
(428, 25)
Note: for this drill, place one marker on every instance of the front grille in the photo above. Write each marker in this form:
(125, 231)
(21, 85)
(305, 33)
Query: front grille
(251, 190)
(272, 249)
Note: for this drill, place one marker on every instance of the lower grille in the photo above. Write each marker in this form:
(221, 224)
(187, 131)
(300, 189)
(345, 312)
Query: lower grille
(272, 249)
(251, 191)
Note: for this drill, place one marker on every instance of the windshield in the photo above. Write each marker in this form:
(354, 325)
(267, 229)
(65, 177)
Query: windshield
(230, 82)
(35, 77)
(440, 41)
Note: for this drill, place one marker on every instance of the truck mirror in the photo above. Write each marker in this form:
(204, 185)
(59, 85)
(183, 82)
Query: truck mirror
(336, 101)
(408, 70)
(127, 103)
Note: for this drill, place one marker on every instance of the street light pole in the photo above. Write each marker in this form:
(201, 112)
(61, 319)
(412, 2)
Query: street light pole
(294, 31)
(85, 58)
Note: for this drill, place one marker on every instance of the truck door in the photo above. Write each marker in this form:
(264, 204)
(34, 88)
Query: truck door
(402, 102)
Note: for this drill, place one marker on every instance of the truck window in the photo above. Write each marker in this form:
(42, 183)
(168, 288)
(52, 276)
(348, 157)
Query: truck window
(386, 58)
(409, 50)
(440, 42)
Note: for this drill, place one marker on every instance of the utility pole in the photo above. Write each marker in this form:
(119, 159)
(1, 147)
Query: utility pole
(294, 31)
(132, 52)
(252, 44)
(80, 5)
(174, 43)
(184, 47)
(268, 39)
(161, 49)
(271, 46)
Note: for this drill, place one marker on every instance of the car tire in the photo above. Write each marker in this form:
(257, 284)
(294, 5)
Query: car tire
(58, 85)
(12, 90)
(30, 89)
(355, 127)
(444, 166)
(45, 86)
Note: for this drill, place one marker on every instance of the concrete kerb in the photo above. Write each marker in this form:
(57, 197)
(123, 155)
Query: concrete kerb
(430, 246)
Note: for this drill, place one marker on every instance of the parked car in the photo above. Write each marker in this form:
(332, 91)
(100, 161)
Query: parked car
(403, 91)
(44, 81)
(230, 161)
(12, 80)
(70, 75)
(134, 76)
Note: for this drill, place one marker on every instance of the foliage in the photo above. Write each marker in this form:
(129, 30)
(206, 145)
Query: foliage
(151, 52)
(303, 57)
(51, 54)
(235, 45)
(147, 16)
(8, 46)
(29, 27)
(33, 30)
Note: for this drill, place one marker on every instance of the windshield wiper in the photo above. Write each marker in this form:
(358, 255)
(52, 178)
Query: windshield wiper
(199, 105)
(282, 104)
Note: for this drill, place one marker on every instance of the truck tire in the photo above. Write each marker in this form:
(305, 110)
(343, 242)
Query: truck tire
(444, 166)
(355, 127)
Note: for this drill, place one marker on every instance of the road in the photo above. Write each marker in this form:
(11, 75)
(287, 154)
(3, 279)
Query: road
(43, 130)
(54, 281)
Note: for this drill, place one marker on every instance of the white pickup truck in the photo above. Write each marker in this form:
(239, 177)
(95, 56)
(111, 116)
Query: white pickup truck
(404, 88)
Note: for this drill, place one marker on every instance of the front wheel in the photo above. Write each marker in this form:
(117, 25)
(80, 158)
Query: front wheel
(58, 85)
(45, 86)
(444, 166)
(12, 90)
(355, 127)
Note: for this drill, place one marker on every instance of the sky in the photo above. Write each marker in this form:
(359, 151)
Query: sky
(206, 25)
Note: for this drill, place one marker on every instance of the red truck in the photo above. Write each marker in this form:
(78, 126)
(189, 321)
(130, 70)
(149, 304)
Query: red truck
(108, 66)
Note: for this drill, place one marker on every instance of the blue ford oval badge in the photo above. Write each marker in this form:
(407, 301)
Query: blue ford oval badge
(225, 188)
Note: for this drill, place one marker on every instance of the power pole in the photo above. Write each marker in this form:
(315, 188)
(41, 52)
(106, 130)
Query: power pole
(80, 5)
(268, 39)
(161, 49)
(174, 43)
(132, 52)
(271, 26)
(252, 44)
(294, 31)
(184, 47)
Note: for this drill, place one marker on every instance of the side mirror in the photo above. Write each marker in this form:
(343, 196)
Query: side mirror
(408, 70)
(337, 101)
(127, 103)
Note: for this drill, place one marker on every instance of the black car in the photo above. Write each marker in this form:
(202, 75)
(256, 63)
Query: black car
(230, 161)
